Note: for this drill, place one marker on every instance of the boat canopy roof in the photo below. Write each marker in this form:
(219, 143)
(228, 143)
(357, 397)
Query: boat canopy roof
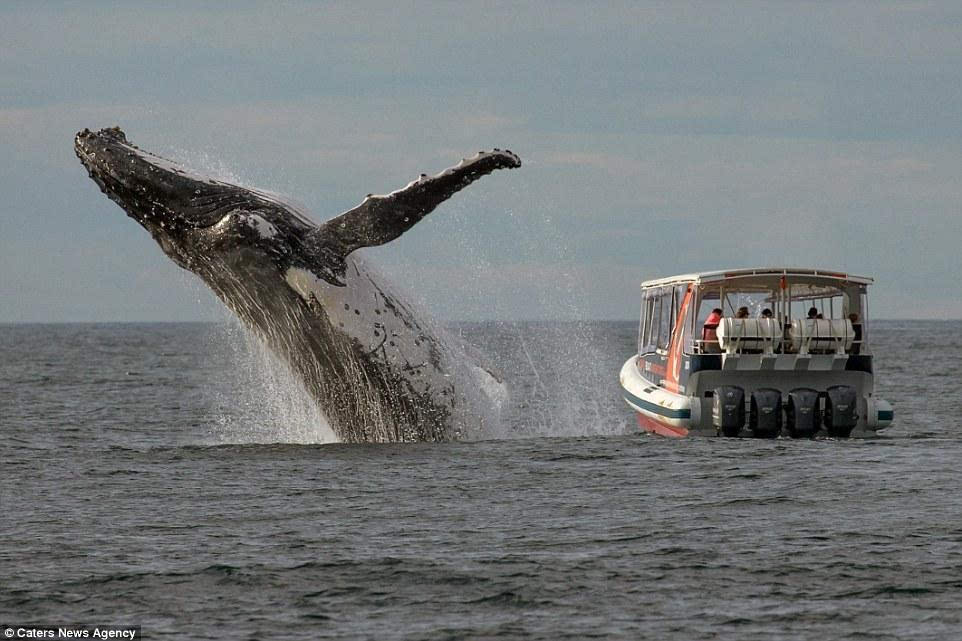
(762, 276)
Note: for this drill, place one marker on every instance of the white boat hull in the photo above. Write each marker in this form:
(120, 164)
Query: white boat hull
(679, 414)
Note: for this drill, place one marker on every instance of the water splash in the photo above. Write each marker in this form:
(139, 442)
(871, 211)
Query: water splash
(562, 382)
(571, 396)
(559, 380)
(261, 400)
(255, 397)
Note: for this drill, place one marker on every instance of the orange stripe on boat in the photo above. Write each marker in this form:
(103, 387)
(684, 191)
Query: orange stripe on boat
(674, 358)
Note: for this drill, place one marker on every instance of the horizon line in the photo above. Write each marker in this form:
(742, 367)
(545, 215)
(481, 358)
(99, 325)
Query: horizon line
(442, 320)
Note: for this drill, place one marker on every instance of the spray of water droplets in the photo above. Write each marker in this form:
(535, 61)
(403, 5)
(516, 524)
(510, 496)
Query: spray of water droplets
(261, 400)
(256, 398)
(559, 383)
(556, 380)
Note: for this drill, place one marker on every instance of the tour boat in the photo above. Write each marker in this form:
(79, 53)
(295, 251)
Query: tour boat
(755, 352)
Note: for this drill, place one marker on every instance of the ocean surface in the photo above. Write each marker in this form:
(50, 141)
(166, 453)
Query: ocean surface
(172, 476)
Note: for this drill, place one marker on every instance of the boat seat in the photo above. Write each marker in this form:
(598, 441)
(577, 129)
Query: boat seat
(821, 336)
(748, 335)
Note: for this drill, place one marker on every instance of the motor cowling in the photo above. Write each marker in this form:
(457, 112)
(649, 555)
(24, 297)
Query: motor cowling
(765, 413)
(728, 410)
(802, 413)
(841, 410)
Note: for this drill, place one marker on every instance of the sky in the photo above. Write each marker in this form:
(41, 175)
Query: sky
(656, 138)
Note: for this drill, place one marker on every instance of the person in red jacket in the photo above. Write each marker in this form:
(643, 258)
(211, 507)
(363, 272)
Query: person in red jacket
(708, 332)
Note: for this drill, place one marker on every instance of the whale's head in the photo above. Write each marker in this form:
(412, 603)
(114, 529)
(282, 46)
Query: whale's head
(196, 220)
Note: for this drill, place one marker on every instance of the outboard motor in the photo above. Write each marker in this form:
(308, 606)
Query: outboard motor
(841, 415)
(765, 414)
(728, 410)
(802, 414)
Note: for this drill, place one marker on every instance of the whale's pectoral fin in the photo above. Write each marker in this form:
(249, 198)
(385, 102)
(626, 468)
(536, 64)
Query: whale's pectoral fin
(381, 219)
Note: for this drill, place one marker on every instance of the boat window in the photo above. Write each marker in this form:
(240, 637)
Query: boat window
(651, 316)
(664, 326)
(678, 301)
(754, 301)
(707, 302)
(648, 318)
(705, 340)
(641, 324)
(832, 305)
(652, 336)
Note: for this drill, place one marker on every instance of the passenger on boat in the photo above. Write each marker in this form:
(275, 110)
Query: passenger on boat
(813, 312)
(766, 313)
(857, 327)
(742, 312)
(709, 335)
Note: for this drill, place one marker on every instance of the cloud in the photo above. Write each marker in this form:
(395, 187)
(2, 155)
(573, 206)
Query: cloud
(655, 138)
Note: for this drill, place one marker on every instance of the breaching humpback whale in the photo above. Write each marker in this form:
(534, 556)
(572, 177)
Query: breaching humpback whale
(378, 371)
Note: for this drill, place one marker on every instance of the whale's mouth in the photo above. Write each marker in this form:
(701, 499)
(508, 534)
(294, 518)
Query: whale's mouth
(159, 194)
